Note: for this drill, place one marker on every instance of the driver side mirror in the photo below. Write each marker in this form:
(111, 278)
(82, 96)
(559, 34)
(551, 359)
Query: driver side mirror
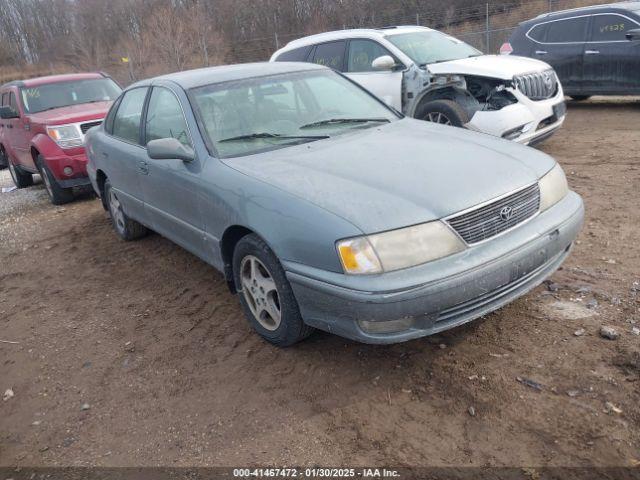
(385, 62)
(633, 34)
(170, 149)
(7, 113)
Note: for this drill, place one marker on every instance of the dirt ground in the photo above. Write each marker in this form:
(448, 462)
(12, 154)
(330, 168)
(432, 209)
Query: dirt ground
(136, 353)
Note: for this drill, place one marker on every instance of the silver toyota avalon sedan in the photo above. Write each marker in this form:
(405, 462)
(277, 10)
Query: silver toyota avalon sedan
(326, 209)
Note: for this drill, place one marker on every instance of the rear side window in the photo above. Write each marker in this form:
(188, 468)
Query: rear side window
(126, 124)
(538, 32)
(165, 118)
(610, 28)
(571, 30)
(330, 54)
(295, 55)
(362, 53)
(12, 102)
(5, 98)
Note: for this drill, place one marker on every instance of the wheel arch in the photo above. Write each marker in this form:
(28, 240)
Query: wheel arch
(101, 179)
(455, 94)
(230, 238)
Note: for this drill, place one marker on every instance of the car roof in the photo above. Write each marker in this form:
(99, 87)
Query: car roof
(632, 6)
(205, 76)
(69, 77)
(351, 33)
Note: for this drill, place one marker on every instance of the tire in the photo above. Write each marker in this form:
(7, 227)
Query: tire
(57, 194)
(265, 293)
(444, 112)
(4, 161)
(580, 98)
(127, 228)
(20, 178)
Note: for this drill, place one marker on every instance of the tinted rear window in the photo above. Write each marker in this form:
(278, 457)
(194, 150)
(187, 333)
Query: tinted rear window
(610, 28)
(567, 31)
(330, 54)
(295, 55)
(538, 32)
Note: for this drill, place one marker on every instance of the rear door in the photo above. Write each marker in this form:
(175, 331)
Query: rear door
(387, 84)
(611, 62)
(563, 48)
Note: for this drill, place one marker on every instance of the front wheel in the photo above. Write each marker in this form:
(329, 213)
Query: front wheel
(444, 112)
(127, 228)
(57, 194)
(20, 178)
(265, 293)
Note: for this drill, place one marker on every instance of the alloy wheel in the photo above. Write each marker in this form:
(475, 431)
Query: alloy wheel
(260, 292)
(437, 117)
(116, 211)
(12, 171)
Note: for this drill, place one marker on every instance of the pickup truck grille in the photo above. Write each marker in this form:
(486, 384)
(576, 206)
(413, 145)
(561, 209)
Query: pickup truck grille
(539, 85)
(86, 126)
(496, 217)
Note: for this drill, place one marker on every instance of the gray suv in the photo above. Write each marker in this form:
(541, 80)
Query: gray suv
(325, 208)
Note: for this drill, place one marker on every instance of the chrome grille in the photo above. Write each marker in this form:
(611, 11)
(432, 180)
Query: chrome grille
(539, 85)
(493, 218)
(86, 126)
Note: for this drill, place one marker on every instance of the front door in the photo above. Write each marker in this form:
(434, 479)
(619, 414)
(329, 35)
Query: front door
(563, 49)
(387, 84)
(611, 62)
(171, 186)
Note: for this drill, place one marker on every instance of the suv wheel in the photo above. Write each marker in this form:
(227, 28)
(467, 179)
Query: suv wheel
(127, 228)
(57, 194)
(20, 178)
(4, 161)
(265, 293)
(444, 112)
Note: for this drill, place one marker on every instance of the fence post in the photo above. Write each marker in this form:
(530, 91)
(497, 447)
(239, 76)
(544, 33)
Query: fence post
(417, 19)
(488, 33)
(275, 34)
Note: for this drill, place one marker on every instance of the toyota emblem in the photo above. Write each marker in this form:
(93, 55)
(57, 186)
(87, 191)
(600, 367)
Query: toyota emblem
(506, 213)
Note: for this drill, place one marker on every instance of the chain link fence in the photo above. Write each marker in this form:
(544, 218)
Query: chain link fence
(486, 26)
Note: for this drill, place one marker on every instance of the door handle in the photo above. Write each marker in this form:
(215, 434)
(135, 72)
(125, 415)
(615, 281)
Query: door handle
(143, 168)
(592, 52)
(541, 52)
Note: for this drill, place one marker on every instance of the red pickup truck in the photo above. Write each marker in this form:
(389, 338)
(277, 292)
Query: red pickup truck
(42, 126)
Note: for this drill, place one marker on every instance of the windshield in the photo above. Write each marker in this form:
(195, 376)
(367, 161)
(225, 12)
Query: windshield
(62, 94)
(266, 113)
(432, 47)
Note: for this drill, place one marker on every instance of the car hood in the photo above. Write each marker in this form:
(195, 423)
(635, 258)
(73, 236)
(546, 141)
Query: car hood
(404, 173)
(72, 114)
(504, 67)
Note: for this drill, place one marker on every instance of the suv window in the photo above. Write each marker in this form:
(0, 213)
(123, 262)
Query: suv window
(126, 124)
(610, 28)
(165, 118)
(362, 53)
(5, 98)
(12, 102)
(295, 55)
(330, 54)
(537, 33)
(570, 30)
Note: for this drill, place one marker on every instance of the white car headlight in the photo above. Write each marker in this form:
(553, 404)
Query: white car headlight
(66, 136)
(553, 187)
(397, 249)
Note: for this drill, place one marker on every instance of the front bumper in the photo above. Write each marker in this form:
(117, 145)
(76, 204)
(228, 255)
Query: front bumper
(445, 293)
(536, 119)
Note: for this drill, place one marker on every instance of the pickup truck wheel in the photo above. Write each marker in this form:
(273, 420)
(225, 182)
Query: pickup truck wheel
(265, 293)
(57, 194)
(20, 178)
(126, 227)
(444, 112)
(580, 98)
(4, 161)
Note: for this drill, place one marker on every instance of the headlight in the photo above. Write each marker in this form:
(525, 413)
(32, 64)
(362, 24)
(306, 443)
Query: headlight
(553, 188)
(397, 249)
(66, 136)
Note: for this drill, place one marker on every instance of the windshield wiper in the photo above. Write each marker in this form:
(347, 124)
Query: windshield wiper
(338, 121)
(252, 136)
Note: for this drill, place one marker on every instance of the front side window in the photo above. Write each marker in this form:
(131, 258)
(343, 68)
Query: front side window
(126, 123)
(165, 118)
(362, 53)
(267, 113)
(430, 46)
(610, 28)
(64, 94)
(330, 54)
(13, 103)
(571, 30)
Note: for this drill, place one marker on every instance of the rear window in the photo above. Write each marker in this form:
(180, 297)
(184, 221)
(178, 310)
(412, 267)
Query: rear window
(610, 28)
(570, 30)
(295, 55)
(538, 32)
